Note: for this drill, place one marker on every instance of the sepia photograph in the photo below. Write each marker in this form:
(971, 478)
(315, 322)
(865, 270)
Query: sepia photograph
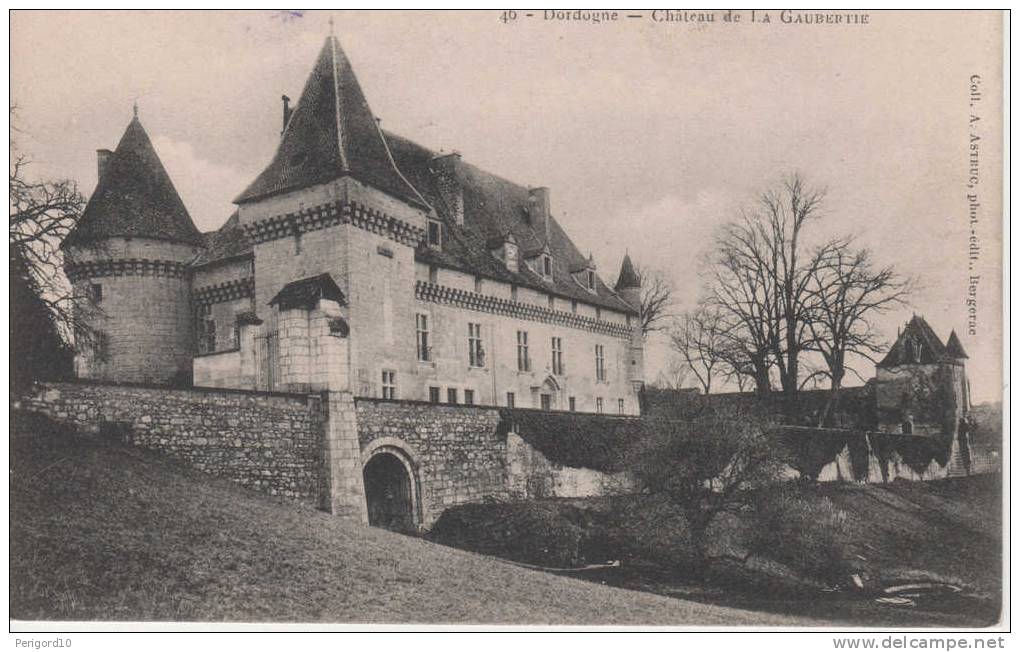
(527, 319)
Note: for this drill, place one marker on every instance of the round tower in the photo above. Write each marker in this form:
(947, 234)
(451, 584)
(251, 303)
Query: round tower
(628, 284)
(128, 262)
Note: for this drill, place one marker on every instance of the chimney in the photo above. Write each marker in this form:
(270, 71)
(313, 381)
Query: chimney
(286, 113)
(444, 167)
(538, 211)
(103, 157)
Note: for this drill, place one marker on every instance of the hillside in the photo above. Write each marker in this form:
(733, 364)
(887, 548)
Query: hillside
(100, 531)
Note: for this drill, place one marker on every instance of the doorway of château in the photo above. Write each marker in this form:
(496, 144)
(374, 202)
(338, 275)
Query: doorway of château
(388, 493)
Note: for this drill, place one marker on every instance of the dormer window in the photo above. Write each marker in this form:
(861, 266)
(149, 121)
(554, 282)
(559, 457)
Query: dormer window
(547, 266)
(435, 234)
(590, 278)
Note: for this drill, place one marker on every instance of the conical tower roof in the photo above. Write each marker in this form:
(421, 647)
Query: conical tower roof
(135, 198)
(332, 133)
(954, 348)
(628, 275)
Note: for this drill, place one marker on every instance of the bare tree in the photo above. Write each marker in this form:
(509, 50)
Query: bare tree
(674, 375)
(656, 299)
(697, 338)
(847, 292)
(42, 213)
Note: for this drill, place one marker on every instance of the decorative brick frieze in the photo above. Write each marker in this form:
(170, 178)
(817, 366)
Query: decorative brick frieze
(434, 293)
(331, 214)
(239, 288)
(124, 267)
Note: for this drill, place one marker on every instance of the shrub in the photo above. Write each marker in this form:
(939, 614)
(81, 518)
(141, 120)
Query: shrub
(808, 534)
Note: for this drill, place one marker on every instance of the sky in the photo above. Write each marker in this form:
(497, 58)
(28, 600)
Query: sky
(650, 135)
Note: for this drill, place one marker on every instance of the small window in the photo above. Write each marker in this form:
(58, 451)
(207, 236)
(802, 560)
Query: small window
(513, 292)
(96, 293)
(434, 394)
(389, 384)
(509, 399)
(573, 404)
(476, 354)
(573, 306)
(591, 280)
(557, 356)
(421, 324)
(598, 405)
(523, 360)
(469, 397)
(435, 234)
(478, 284)
(546, 401)
(451, 395)
(433, 275)
(546, 266)
(620, 404)
(297, 242)
(551, 302)
(598, 313)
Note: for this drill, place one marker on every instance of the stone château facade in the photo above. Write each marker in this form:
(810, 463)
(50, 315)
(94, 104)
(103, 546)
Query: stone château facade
(356, 261)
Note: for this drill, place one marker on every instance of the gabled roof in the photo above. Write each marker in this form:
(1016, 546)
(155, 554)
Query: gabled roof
(954, 348)
(628, 277)
(495, 209)
(917, 344)
(229, 242)
(135, 198)
(306, 292)
(331, 133)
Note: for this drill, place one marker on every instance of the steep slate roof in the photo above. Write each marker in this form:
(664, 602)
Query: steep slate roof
(918, 330)
(495, 208)
(628, 277)
(135, 198)
(954, 348)
(229, 242)
(332, 133)
(306, 292)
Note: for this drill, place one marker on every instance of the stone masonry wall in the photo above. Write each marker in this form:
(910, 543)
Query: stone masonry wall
(458, 452)
(269, 442)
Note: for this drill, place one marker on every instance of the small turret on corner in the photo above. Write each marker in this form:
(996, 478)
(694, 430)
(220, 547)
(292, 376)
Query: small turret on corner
(628, 286)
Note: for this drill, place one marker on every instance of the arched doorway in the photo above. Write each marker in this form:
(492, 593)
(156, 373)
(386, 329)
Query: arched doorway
(389, 493)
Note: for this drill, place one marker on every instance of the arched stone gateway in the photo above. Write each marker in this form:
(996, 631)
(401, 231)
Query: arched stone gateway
(391, 490)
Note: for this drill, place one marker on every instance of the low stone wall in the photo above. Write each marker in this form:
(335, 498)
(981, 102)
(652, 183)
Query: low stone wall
(268, 442)
(530, 474)
(458, 452)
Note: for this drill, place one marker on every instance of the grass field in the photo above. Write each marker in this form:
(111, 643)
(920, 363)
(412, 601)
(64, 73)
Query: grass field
(100, 531)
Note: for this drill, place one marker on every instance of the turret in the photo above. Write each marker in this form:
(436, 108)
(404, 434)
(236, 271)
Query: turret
(628, 286)
(127, 259)
(628, 283)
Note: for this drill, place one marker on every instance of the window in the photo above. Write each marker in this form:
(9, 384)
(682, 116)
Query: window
(478, 284)
(389, 384)
(421, 325)
(551, 302)
(557, 356)
(236, 336)
(591, 280)
(434, 394)
(433, 274)
(509, 399)
(573, 306)
(451, 394)
(546, 401)
(573, 404)
(598, 313)
(620, 404)
(476, 355)
(523, 361)
(297, 242)
(546, 266)
(435, 234)
(205, 328)
(513, 292)
(469, 397)
(598, 405)
(600, 362)
(96, 293)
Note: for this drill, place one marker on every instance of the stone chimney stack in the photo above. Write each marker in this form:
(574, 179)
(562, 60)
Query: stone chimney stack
(538, 211)
(103, 158)
(444, 167)
(287, 111)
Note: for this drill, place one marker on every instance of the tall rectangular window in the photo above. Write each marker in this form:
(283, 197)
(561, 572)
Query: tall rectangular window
(476, 355)
(469, 397)
(434, 394)
(509, 399)
(600, 362)
(573, 404)
(205, 327)
(435, 234)
(546, 266)
(421, 325)
(620, 404)
(523, 361)
(389, 384)
(451, 395)
(557, 356)
(598, 405)
(96, 292)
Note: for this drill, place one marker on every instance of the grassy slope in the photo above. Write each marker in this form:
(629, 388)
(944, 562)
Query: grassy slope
(102, 531)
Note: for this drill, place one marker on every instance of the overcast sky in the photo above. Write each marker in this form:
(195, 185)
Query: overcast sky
(649, 135)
